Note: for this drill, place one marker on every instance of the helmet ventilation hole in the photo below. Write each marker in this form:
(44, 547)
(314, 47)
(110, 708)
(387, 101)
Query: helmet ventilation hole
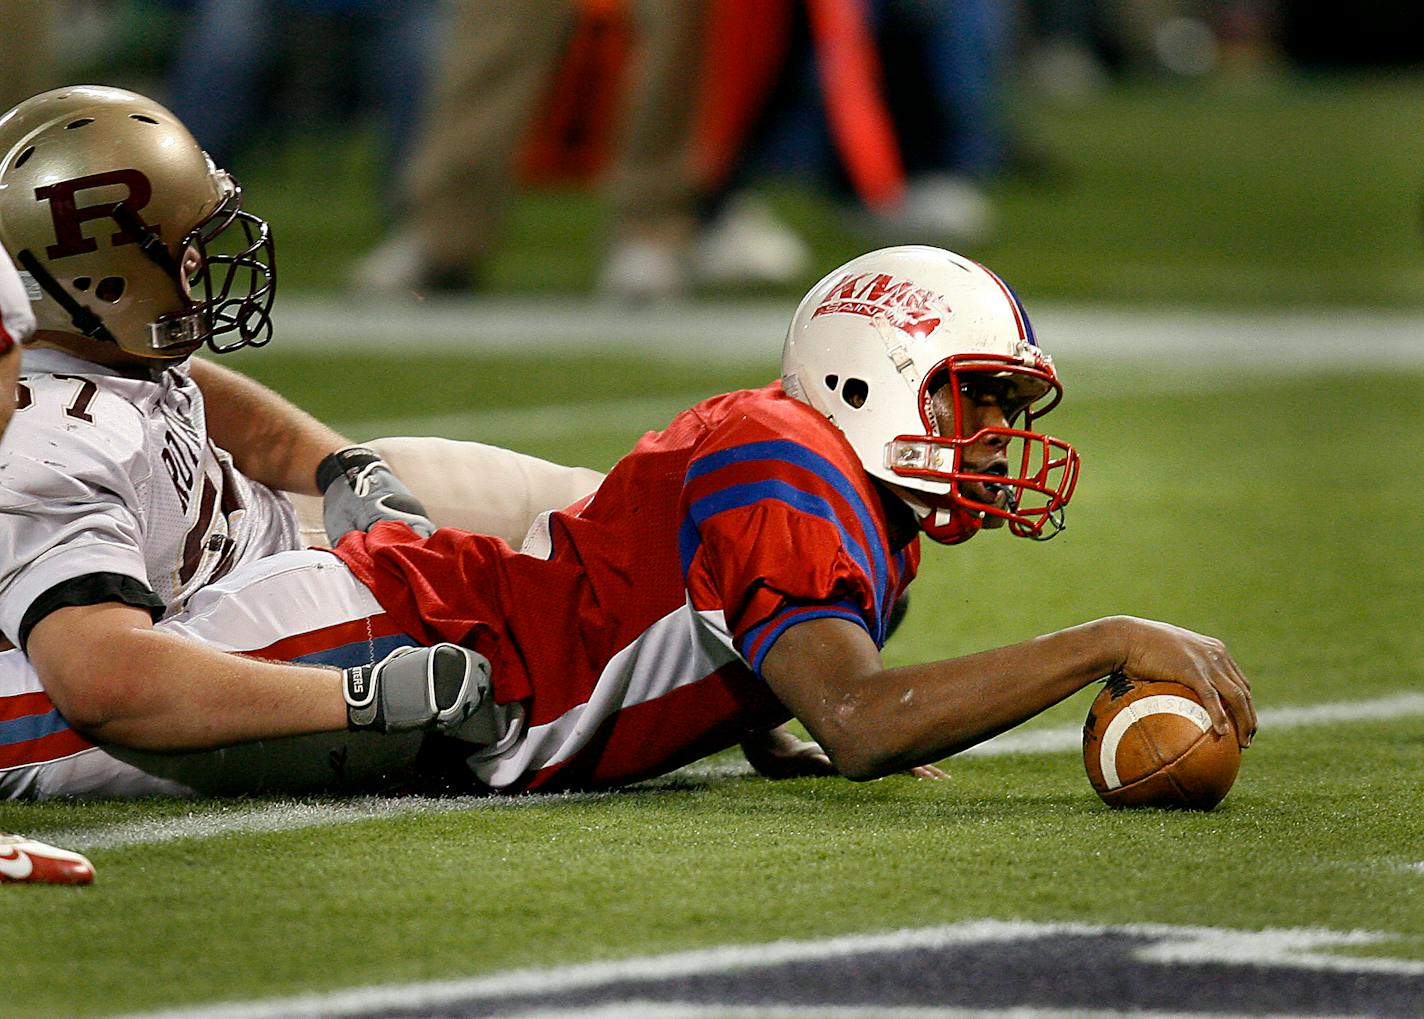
(855, 392)
(24, 157)
(142, 118)
(82, 284)
(110, 289)
(832, 381)
(81, 122)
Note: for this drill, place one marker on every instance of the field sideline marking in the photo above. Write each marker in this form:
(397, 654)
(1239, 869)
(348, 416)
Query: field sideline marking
(729, 330)
(1063, 738)
(292, 815)
(1294, 948)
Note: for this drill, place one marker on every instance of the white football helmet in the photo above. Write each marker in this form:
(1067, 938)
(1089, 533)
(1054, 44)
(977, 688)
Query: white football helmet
(872, 342)
(127, 231)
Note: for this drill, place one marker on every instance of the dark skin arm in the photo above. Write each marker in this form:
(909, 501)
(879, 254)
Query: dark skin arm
(270, 439)
(874, 721)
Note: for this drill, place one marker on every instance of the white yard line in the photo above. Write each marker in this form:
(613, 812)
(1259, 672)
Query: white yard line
(722, 331)
(1064, 738)
(215, 819)
(1148, 350)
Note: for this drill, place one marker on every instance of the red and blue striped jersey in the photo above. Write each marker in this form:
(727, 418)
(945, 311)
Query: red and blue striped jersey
(633, 626)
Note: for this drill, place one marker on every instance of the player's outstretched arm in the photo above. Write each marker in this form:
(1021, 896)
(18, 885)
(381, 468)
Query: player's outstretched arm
(271, 439)
(873, 721)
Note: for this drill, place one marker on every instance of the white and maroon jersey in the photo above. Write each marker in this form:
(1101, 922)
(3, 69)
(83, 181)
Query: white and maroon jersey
(17, 319)
(102, 473)
(632, 629)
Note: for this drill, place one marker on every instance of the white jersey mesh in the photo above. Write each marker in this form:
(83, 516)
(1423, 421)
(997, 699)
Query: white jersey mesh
(101, 473)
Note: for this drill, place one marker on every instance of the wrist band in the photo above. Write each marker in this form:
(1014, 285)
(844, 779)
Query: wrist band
(333, 465)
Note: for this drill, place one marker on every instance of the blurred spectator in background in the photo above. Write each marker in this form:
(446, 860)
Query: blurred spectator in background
(500, 62)
(932, 72)
(318, 61)
(798, 84)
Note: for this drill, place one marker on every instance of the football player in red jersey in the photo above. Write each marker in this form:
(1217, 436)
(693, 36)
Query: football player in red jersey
(737, 569)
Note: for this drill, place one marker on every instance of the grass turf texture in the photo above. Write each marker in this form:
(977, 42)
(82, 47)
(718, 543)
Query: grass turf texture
(1284, 192)
(1274, 512)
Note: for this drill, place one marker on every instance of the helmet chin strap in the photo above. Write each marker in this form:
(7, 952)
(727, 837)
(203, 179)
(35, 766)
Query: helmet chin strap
(947, 525)
(88, 323)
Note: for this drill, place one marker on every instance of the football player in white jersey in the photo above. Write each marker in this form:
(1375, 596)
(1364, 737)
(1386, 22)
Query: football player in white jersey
(132, 476)
(24, 860)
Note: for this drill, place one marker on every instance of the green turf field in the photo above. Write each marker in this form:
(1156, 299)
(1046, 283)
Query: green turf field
(1277, 512)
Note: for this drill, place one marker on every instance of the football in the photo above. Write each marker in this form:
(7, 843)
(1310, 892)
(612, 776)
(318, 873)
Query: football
(1152, 745)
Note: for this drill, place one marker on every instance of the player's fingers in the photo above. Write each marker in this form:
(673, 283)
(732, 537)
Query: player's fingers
(1210, 697)
(1243, 707)
(928, 771)
(1237, 699)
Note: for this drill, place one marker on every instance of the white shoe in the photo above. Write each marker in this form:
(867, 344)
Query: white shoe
(747, 245)
(640, 270)
(400, 266)
(25, 861)
(938, 209)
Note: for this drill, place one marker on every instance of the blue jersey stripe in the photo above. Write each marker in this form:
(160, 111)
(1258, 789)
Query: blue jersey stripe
(358, 652)
(797, 455)
(761, 639)
(28, 727)
(776, 490)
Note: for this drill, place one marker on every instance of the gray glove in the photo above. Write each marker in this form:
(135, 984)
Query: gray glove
(358, 490)
(436, 688)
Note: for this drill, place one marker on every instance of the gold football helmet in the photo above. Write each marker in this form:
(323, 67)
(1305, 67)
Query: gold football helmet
(128, 232)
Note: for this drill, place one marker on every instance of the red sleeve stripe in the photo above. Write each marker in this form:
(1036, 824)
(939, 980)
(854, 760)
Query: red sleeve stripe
(354, 642)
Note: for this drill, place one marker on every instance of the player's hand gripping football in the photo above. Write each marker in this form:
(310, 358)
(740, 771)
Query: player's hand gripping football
(435, 688)
(1161, 651)
(358, 490)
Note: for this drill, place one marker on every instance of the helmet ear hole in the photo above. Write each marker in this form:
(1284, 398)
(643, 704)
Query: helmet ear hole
(855, 392)
(110, 289)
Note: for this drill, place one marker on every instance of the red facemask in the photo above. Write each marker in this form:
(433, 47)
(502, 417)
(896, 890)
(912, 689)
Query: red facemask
(1047, 468)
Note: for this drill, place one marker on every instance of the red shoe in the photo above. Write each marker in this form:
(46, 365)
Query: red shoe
(25, 860)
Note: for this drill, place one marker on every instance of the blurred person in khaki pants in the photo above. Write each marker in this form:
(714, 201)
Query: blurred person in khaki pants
(498, 67)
